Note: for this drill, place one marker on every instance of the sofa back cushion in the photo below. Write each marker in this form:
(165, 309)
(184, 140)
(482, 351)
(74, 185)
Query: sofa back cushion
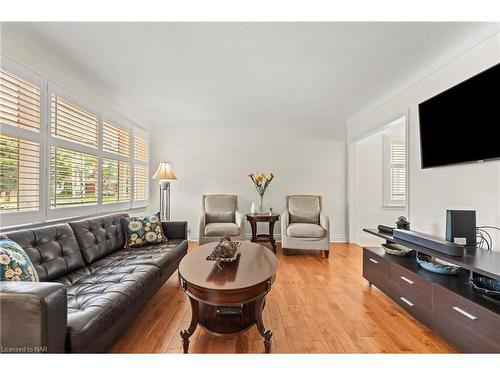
(99, 236)
(53, 250)
(304, 208)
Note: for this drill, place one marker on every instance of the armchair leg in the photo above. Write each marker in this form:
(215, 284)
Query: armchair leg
(285, 251)
(327, 253)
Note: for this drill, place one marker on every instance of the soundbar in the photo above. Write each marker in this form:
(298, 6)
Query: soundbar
(428, 241)
(385, 229)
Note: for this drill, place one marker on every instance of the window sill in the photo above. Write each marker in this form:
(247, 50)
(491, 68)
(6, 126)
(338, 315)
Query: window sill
(394, 208)
(67, 219)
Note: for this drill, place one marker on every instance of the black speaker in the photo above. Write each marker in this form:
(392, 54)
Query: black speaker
(461, 227)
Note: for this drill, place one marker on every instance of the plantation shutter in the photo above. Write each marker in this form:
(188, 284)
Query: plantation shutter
(115, 139)
(141, 183)
(141, 149)
(19, 175)
(116, 180)
(20, 137)
(73, 123)
(141, 171)
(19, 102)
(398, 171)
(73, 178)
(395, 172)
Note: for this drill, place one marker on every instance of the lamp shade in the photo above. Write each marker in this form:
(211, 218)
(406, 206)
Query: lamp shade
(164, 172)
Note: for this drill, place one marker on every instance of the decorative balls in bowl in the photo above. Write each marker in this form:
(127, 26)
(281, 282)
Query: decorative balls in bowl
(486, 286)
(437, 265)
(395, 249)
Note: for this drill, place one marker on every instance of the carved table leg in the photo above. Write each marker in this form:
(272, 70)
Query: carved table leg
(271, 235)
(253, 224)
(266, 333)
(186, 334)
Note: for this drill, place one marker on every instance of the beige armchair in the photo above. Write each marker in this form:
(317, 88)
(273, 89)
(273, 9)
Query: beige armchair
(219, 217)
(304, 226)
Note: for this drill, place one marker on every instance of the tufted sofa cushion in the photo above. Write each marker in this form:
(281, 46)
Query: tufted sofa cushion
(100, 295)
(53, 250)
(160, 255)
(100, 236)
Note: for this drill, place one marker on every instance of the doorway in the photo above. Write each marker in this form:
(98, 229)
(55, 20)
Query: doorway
(380, 179)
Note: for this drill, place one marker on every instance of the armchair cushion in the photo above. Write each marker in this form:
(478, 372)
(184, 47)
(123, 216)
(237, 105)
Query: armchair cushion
(220, 217)
(220, 229)
(304, 209)
(305, 230)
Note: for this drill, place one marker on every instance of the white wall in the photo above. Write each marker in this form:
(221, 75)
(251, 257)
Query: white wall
(370, 185)
(432, 191)
(219, 159)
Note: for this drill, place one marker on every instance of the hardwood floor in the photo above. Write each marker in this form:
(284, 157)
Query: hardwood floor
(317, 305)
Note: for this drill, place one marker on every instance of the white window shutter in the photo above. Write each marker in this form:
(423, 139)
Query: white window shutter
(395, 172)
(19, 175)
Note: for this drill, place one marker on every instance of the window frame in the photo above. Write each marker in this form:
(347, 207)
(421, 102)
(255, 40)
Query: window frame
(46, 141)
(53, 213)
(388, 202)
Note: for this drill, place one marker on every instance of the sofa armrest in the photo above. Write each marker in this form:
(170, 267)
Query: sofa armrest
(202, 224)
(175, 230)
(324, 221)
(33, 317)
(240, 220)
(285, 221)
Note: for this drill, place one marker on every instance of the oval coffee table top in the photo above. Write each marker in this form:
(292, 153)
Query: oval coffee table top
(255, 264)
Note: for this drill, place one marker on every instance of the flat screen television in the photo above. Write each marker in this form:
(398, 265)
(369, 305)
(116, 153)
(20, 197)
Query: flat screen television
(462, 124)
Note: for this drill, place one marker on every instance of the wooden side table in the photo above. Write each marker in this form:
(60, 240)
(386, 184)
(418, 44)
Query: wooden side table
(263, 218)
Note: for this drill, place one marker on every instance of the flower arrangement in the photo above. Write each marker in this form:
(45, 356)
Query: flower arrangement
(261, 182)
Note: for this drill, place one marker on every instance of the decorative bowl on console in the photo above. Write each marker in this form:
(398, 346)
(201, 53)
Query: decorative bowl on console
(395, 249)
(486, 286)
(437, 265)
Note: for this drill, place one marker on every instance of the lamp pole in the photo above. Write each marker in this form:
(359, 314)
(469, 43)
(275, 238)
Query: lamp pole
(165, 200)
(164, 173)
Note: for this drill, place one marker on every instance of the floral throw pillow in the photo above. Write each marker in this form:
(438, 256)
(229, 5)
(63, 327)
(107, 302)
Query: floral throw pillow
(143, 230)
(14, 263)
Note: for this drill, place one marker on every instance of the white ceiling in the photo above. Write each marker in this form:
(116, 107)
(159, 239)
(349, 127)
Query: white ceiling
(246, 74)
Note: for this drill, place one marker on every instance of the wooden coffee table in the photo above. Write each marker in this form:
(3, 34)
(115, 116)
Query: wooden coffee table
(228, 298)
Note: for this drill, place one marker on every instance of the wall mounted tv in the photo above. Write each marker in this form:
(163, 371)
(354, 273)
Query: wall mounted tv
(462, 124)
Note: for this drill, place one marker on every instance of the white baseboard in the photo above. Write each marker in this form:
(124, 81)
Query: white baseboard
(339, 238)
(333, 237)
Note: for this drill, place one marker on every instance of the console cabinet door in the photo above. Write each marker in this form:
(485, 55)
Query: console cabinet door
(467, 326)
(376, 270)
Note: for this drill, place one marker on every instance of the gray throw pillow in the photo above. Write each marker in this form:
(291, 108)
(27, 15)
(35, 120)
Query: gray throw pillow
(219, 217)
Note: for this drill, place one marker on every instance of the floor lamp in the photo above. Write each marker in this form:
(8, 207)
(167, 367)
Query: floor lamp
(164, 173)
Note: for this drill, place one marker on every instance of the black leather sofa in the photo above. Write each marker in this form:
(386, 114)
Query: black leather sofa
(91, 286)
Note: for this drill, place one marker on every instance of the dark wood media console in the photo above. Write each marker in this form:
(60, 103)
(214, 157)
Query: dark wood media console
(467, 320)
